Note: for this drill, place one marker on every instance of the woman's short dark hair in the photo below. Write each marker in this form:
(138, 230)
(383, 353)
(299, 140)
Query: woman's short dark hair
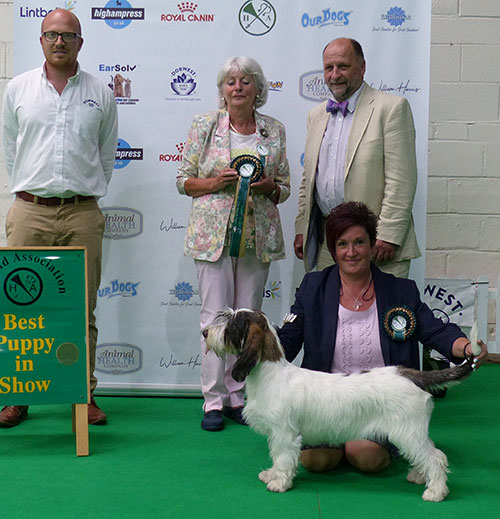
(347, 215)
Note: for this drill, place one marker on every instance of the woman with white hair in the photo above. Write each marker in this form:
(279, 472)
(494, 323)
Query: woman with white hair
(235, 169)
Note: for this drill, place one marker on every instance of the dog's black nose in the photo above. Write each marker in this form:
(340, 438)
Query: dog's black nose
(205, 333)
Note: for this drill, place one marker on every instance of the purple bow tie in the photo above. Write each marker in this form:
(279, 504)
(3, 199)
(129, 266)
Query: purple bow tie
(333, 107)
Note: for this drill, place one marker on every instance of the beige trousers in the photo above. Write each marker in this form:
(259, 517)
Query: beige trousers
(78, 224)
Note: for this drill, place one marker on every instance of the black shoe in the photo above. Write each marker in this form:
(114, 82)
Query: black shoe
(213, 421)
(236, 414)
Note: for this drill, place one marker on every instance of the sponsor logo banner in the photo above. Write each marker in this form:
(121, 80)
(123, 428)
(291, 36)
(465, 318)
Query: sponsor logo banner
(118, 358)
(312, 86)
(122, 223)
(118, 14)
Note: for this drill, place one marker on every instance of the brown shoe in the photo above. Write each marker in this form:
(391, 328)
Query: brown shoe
(12, 415)
(96, 415)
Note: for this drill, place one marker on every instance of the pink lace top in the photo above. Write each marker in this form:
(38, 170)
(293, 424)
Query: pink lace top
(357, 346)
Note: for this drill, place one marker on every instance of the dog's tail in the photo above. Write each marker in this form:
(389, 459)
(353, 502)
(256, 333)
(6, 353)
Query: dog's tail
(439, 378)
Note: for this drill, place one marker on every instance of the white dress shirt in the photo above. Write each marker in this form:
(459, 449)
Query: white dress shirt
(59, 145)
(330, 173)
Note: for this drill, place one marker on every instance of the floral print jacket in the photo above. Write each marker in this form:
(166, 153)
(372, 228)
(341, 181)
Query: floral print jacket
(207, 151)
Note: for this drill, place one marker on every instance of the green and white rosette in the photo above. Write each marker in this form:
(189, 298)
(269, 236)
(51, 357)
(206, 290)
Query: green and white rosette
(250, 169)
(399, 323)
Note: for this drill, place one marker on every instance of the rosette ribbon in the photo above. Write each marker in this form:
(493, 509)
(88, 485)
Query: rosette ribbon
(250, 169)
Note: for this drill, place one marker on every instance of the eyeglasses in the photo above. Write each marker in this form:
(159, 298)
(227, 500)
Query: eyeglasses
(67, 37)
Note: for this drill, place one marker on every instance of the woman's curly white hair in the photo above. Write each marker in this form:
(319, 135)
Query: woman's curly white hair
(248, 67)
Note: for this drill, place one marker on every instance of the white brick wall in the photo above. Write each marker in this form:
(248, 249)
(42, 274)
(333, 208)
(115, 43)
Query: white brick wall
(463, 238)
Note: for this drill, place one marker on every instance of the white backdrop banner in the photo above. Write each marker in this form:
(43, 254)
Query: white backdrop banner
(161, 59)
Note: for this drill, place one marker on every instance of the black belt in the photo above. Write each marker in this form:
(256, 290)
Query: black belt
(54, 200)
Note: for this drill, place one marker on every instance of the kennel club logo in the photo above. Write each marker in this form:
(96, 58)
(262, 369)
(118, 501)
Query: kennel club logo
(326, 18)
(312, 86)
(23, 284)
(183, 83)
(257, 17)
(117, 14)
(187, 13)
(122, 223)
(118, 359)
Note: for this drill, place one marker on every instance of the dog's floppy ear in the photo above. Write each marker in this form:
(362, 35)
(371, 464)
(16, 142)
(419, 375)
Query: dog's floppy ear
(250, 353)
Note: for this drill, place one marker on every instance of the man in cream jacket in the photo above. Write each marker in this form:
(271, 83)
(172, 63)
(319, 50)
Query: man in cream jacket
(360, 146)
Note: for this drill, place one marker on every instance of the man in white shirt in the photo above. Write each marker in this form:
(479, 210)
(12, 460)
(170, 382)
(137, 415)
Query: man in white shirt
(60, 136)
(360, 147)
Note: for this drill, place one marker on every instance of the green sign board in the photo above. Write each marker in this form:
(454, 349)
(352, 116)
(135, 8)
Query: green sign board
(43, 326)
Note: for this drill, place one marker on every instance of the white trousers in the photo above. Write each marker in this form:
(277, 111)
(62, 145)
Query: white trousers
(234, 283)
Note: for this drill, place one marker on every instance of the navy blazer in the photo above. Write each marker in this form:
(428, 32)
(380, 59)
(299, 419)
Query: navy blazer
(316, 306)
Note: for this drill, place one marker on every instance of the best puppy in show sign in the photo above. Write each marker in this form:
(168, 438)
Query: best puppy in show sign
(43, 326)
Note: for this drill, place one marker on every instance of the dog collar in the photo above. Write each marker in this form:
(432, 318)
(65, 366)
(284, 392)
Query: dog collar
(399, 323)
(250, 169)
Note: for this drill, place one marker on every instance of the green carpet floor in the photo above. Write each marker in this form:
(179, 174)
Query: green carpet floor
(153, 460)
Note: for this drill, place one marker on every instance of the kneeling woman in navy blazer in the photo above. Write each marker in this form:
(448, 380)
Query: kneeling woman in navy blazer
(352, 317)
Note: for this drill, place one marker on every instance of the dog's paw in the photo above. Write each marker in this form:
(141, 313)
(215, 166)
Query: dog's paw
(279, 485)
(414, 476)
(274, 482)
(266, 475)
(435, 494)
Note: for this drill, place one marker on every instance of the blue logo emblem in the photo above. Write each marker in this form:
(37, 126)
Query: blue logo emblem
(118, 14)
(183, 81)
(124, 154)
(119, 288)
(396, 16)
(183, 291)
(327, 17)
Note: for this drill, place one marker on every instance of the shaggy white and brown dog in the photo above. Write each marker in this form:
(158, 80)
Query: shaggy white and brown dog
(293, 406)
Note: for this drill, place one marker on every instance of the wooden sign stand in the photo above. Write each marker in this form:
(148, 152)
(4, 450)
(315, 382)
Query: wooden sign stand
(80, 419)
